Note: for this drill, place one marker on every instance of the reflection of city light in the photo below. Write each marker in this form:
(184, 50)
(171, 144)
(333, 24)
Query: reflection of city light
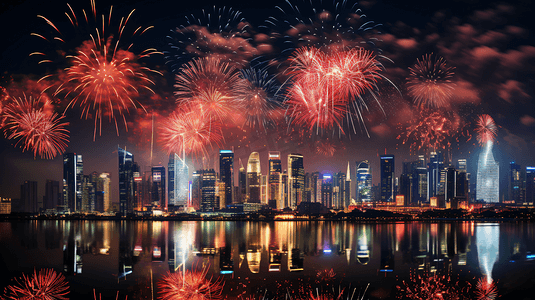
(157, 252)
(327, 250)
(487, 239)
(104, 251)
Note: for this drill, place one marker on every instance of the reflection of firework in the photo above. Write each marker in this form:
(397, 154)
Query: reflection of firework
(219, 31)
(45, 284)
(193, 286)
(37, 128)
(324, 84)
(101, 78)
(486, 129)
(325, 275)
(207, 85)
(432, 130)
(259, 93)
(432, 287)
(429, 82)
(486, 290)
(189, 131)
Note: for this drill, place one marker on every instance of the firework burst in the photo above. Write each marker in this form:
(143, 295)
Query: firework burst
(216, 32)
(433, 130)
(46, 284)
(486, 289)
(208, 85)
(189, 132)
(102, 77)
(432, 287)
(486, 129)
(326, 86)
(192, 286)
(35, 127)
(429, 82)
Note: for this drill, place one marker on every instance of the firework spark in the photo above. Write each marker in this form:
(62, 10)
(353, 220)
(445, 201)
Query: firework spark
(190, 132)
(325, 85)
(208, 85)
(430, 83)
(432, 287)
(486, 289)
(36, 128)
(46, 284)
(433, 130)
(192, 286)
(486, 129)
(102, 78)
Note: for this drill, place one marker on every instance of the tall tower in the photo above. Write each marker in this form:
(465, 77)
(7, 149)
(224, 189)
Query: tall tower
(103, 188)
(172, 186)
(182, 184)
(364, 182)
(515, 183)
(435, 167)
(296, 179)
(387, 178)
(73, 168)
(226, 173)
(208, 190)
(274, 180)
(126, 182)
(327, 190)
(347, 189)
(242, 185)
(488, 183)
(253, 178)
(530, 185)
(158, 187)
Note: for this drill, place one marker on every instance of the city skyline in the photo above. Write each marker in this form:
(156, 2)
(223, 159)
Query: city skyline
(407, 30)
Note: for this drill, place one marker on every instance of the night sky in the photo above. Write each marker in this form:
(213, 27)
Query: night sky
(490, 44)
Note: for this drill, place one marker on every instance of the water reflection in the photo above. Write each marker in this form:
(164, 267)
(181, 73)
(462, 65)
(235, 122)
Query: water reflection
(117, 255)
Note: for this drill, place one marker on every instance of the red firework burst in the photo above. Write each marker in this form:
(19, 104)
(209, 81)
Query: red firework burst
(324, 84)
(433, 130)
(325, 275)
(430, 83)
(207, 85)
(190, 132)
(486, 129)
(192, 286)
(45, 284)
(432, 287)
(486, 290)
(102, 78)
(35, 127)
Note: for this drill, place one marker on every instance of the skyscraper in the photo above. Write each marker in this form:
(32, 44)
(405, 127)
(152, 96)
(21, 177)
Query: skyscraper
(339, 192)
(530, 185)
(364, 182)
(126, 182)
(196, 190)
(172, 187)
(347, 192)
(208, 190)
(515, 183)
(28, 197)
(488, 184)
(226, 173)
(387, 178)
(158, 187)
(52, 195)
(296, 179)
(274, 180)
(435, 167)
(72, 181)
(253, 178)
(104, 188)
(327, 190)
(182, 184)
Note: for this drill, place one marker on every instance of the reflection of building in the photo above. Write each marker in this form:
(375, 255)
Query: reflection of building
(275, 260)
(296, 260)
(364, 182)
(363, 245)
(488, 184)
(253, 260)
(72, 256)
(126, 264)
(488, 244)
(387, 178)
(226, 263)
(296, 179)
(253, 178)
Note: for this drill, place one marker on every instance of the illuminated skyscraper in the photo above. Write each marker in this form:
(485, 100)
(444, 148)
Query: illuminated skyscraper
(196, 190)
(103, 187)
(242, 185)
(364, 182)
(253, 178)
(226, 173)
(435, 167)
(177, 190)
(387, 178)
(172, 187)
(158, 187)
(126, 182)
(347, 189)
(327, 190)
(208, 190)
(274, 180)
(530, 185)
(339, 190)
(73, 168)
(296, 179)
(488, 183)
(515, 183)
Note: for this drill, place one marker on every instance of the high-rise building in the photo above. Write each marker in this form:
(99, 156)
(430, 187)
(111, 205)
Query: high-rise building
(104, 188)
(284, 189)
(327, 190)
(339, 191)
(364, 182)
(208, 190)
(158, 187)
(296, 179)
(515, 183)
(488, 183)
(28, 197)
(347, 194)
(274, 180)
(72, 181)
(387, 178)
(126, 182)
(435, 167)
(530, 186)
(52, 195)
(172, 168)
(263, 189)
(253, 178)
(450, 187)
(315, 180)
(196, 194)
(88, 194)
(182, 184)
(226, 173)
(242, 185)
